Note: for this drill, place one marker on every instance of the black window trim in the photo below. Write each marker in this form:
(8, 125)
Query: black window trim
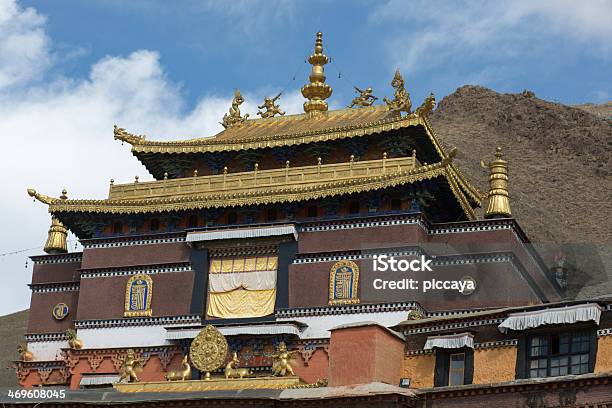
(442, 368)
(522, 366)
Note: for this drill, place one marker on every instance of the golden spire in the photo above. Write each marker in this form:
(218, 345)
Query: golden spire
(499, 200)
(317, 90)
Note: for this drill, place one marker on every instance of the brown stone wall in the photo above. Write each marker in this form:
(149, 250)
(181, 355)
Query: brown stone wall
(420, 370)
(364, 354)
(360, 238)
(135, 255)
(497, 285)
(104, 297)
(57, 272)
(604, 355)
(493, 365)
(41, 320)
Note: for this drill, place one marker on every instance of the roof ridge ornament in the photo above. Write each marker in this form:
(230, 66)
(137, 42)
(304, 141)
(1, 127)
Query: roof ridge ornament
(499, 199)
(317, 90)
(271, 108)
(401, 98)
(233, 118)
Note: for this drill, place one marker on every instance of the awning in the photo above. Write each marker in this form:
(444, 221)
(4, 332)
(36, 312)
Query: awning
(563, 315)
(282, 328)
(237, 233)
(99, 379)
(451, 341)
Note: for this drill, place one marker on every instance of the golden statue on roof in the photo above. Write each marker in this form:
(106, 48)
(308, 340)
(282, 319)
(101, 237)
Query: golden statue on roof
(234, 118)
(401, 100)
(271, 108)
(427, 106)
(365, 98)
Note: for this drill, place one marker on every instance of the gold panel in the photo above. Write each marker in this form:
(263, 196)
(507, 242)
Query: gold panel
(343, 283)
(138, 296)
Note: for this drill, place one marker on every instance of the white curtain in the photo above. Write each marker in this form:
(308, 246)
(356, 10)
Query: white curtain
(450, 342)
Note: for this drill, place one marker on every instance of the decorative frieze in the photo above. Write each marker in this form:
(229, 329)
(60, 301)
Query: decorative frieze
(136, 321)
(148, 270)
(54, 287)
(348, 309)
(72, 257)
(131, 241)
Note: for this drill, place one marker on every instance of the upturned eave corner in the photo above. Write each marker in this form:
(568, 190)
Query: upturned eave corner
(124, 136)
(45, 199)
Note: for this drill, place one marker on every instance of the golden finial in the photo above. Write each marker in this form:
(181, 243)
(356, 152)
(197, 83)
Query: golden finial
(225, 170)
(195, 173)
(165, 175)
(112, 182)
(64, 195)
(499, 199)
(287, 163)
(136, 179)
(57, 238)
(317, 90)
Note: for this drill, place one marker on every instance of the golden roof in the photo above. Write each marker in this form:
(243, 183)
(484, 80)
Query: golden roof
(282, 131)
(266, 187)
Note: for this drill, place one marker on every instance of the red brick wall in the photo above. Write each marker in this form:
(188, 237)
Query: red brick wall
(364, 354)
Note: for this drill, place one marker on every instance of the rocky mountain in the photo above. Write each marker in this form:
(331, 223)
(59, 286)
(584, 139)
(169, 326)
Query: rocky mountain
(560, 176)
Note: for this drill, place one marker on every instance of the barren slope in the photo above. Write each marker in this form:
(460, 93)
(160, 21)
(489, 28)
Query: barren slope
(560, 180)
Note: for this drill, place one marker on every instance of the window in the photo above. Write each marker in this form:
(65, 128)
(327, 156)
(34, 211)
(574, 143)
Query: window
(272, 214)
(117, 228)
(193, 221)
(563, 353)
(456, 372)
(454, 366)
(154, 225)
(354, 207)
(396, 204)
(312, 211)
(232, 217)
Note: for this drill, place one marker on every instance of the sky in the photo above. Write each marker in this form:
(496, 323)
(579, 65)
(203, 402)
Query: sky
(70, 70)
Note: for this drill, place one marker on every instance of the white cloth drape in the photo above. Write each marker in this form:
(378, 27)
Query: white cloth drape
(450, 341)
(256, 280)
(562, 315)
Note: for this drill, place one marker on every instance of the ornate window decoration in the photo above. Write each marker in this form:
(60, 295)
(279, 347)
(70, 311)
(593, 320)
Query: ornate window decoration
(343, 283)
(138, 294)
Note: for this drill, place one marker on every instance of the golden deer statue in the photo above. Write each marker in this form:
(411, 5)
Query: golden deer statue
(24, 353)
(73, 342)
(232, 372)
(180, 375)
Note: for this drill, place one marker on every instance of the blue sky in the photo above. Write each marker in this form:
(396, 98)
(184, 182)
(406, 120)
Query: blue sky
(69, 70)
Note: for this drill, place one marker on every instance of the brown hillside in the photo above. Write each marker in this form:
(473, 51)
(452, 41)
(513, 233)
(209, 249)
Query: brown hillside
(12, 329)
(560, 177)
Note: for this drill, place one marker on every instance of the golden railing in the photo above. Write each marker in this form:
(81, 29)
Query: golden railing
(318, 173)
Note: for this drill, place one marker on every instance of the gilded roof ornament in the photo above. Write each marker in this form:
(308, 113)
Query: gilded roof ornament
(427, 106)
(233, 118)
(56, 238)
(499, 199)
(317, 90)
(124, 136)
(365, 98)
(271, 108)
(401, 98)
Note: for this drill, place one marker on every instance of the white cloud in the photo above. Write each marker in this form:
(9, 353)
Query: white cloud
(59, 134)
(23, 44)
(440, 31)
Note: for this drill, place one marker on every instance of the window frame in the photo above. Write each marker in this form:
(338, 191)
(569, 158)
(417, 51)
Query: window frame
(523, 360)
(442, 366)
